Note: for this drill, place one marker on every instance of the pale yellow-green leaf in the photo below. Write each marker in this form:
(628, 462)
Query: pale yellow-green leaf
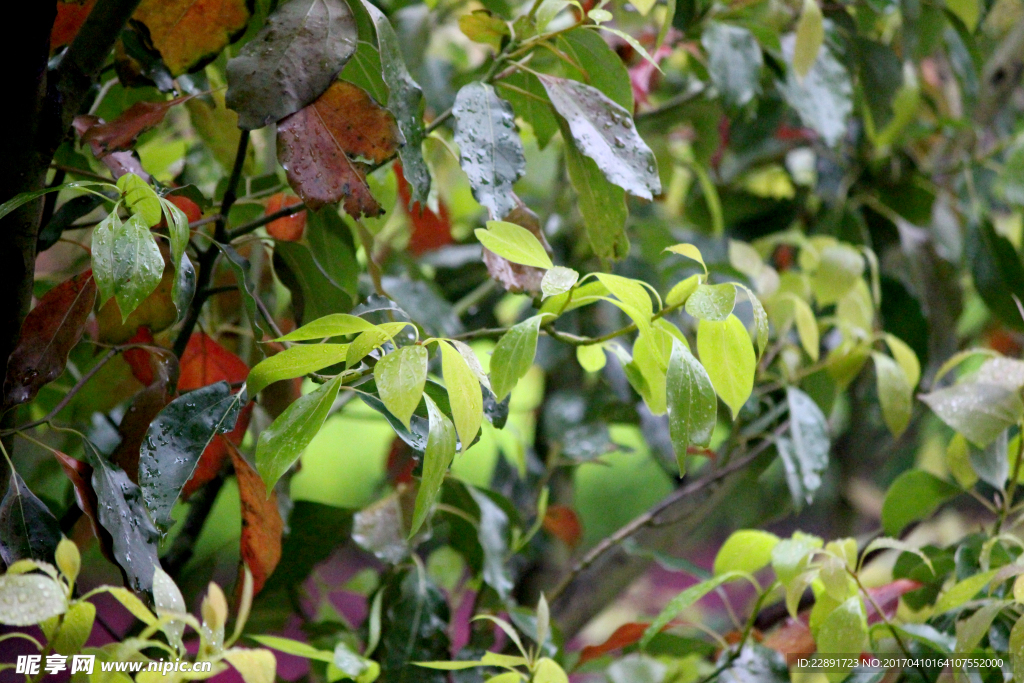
(548, 671)
(437, 457)
(906, 358)
(745, 259)
(75, 628)
(810, 34)
(806, 327)
(515, 243)
(963, 591)
(725, 350)
(895, 394)
(558, 280)
(689, 251)
(746, 550)
(464, 394)
(958, 461)
(334, 325)
(68, 559)
(682, 290)
(591, 358)
(255, 666)
(400, 377)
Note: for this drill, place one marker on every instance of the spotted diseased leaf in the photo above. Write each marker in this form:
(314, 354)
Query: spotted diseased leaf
(189, 33)
(28, 530)
(318, 147)
(262, 526)
(48, 334)
(121, 133)
(126, 261)
(603, 131)
(71, 14)
(692, 406)
(175, 441)
(438, 455)
(291, 61)
(490, 150)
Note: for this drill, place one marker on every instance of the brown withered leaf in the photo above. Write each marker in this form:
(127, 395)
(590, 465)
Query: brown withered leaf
(516, 277)
(121, 133)
(49, 333)
(190, 32)
(119, 163)
(262, 526)
(321, 147)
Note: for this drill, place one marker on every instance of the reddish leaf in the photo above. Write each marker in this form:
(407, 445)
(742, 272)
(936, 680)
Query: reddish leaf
(429, 230)
(49, 333)
(793, 640)
(624, 636)
(401, 463)
(190, 32)
(71, 15)
(119, 163)
(262, 525)
(314, 145)
(212, 459)
(562, 523)
(516, 277)
(205, 362)
(140, 360)
(80, 474)
(188, 207)
(121, 133)
(642, 77)
(289, 228)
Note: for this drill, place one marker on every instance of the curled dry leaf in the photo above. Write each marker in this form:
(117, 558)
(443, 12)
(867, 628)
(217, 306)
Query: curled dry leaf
(514, 276)
(319, 146)
(190, 32)
(262, 526)
(49, 333)
(121, 133)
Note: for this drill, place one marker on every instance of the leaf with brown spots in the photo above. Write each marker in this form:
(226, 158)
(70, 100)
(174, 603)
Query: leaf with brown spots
(262, 526)
(321, 146)
(122, 132)
(190, 32)
(49, 333)
(71, 14)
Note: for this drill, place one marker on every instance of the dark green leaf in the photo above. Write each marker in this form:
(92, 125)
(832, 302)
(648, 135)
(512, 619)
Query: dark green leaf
(603, 68)
(823, 98)
(315, 531)
(69, 212)
(604, 131)
(492, 533)
(530, 101)
(177, 438)
(691, 400)
(330, 242)
(997, 271)
(734, 61)
(240, 267)
(314, 295)
(913, 496)
(414, 628)
(26, 197)
(438, 455)
(364, 69)
(28, 530)
(602, 204)
(491, 152)
(291, 61)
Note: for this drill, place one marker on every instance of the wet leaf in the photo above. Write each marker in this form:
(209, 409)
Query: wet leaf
(491, 152)
(175, 441)
(604, 131)
(80, 475)
(294, 362)
(824, 97)
(400, 377)
(281, 444)
(334, 325)
(48, 334)
(602, 204)
(262, 526)
(437, 456)
(75, 629)
(414, 628)
(712, 302)
(533, 106)
(805, 456)
(121, 133)
(558, 280)
(206, 362)
(734, 61)
(254, 666)
(978, 410)
(145, 406)
(28, 530)
(317, 146)
(69, 212)
(291, 61)
(289, 228)
(123, 514)
(513, 356)
(514, 243)
(602, 67)
(405, 101)
(127, 263)
(156, 312)
(189, 33)
(727, 354)
(692, 405)
(28, 599)
(516, 277)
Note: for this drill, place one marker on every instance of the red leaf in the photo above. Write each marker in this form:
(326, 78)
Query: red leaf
(80, 474)
(212, 459)
(313, 145)
(71, 14)
(49, 333)
(562, 523)
(121, 133)
(793, 640)
(642, 76)
(140, 360)
(401, 463)
(429, 230)
(205, 362)
(262, 525)
(624, 636)
(289, 228)
(189, 207)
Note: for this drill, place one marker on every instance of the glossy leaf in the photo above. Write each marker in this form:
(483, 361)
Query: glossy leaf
(491, 153)
(515, 243)
(712, 302)
(805, 454)
(289, 228)
(291, 61)
(464, 393)
(206, 362)
(28, 599)
(317, 146)
(23, 198)
(734, 61)
(558, 280)
(604, 131)
(28, 530)
(602, 204)
(980, 411)
(692, 406)
(262, 526)
(281, 444)
(530, 102)
(895, 393)
(727, 354)
(48, 334)
(400, 376)
(127, 263)
(175, 441)
(438, 455)
(824, 97)
(334, 325)
(601, 66)
(240, 267)
(913, 496)
(513, 356)
(190, 32)
(295, 362)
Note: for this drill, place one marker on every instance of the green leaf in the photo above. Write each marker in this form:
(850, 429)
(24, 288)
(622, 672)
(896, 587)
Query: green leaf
(490, 150)
(906, 358)
(979, 411)
(712, 302)
(175, 441)
(297, 361)
(167, 597)
(294, 647)
(690, 251)
(281, 444)
(591, 358)
(824, 97)
(840, 268)
(602, 204)
(734, 61)
(806, 327)
(970, 631)
(414, 628)
(240, 267)
(28, 530)
(895, 393)
(727, 354)
(405, 101)
(492, 534)
(631, 293)
(291, 61)
(140, 198)
(530, 101)
(254, 666)
(27, 599)
(602, 67)
(75, 629)
(746, 550)
(464, 393)
(515, 243)
(963, 591)
(334, 325)
(400, 377)
(437, 456)
(684, 600)
(997, 271)
(913, 496)
(67, 558)
(332, 247)
(558, 280)
(805, 455)
(692, 406)
(513, 356)
(810, 34)
(682, 290)
(651, 352)
(370, 340)
(604, 131)
(968, 11)
(844, 631)
(481, 26)
(548, 671)
(26, 197)
(126, 261)
(314, 294)
(1016, 647)
(177, 228)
